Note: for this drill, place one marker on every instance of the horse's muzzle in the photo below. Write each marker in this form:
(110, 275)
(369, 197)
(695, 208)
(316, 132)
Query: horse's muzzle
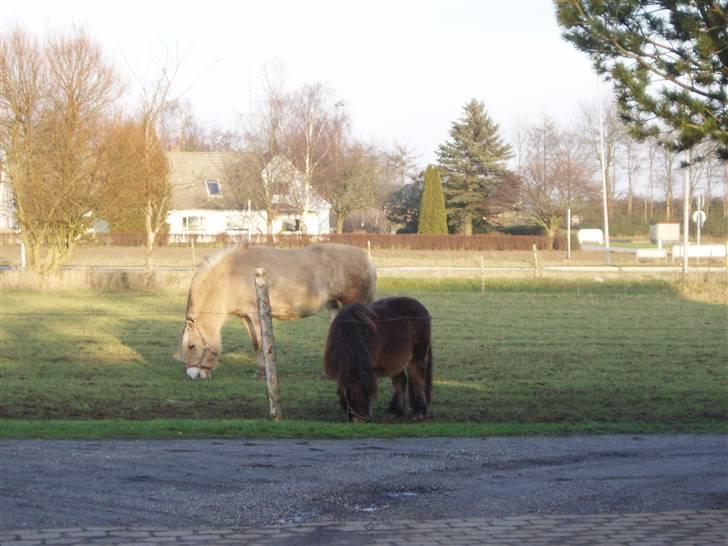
(355, 417)
(195, 372)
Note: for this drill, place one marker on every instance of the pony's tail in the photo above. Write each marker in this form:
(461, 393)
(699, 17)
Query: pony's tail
(428, 376)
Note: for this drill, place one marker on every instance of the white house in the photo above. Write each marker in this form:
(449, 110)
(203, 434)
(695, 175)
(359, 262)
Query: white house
(7, 205)
(201, 205)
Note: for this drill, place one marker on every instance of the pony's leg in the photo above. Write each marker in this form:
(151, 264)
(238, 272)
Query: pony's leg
(418, 384)
(254, 331)
(396, 406)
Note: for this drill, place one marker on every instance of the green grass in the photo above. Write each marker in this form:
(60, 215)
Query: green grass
(171, 429)
(527, 357)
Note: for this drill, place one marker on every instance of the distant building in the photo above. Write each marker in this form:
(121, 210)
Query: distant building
(202, 195)
(8, 221)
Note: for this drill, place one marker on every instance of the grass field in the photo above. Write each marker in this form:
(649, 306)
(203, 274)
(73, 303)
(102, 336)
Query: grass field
(571, 355)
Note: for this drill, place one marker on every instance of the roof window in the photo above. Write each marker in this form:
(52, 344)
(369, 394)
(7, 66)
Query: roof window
(213, 188)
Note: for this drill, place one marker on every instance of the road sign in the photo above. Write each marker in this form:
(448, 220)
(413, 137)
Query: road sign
(699, 217)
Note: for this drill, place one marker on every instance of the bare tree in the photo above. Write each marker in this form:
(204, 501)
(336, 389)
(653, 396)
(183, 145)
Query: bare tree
(179, 129)
(652, 146)
(613, 131)
(631, 164)
(557, 173)
(54, 99)
(137, 169)
(401, 165)
(155, 192)
(349, 181)
(667, 157)
(251, 173)
(311, 130)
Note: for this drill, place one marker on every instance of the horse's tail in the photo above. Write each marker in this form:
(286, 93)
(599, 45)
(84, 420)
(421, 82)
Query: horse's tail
(348, 355)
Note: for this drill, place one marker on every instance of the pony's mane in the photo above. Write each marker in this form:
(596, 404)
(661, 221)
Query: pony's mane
(348, 355)
(203, 272)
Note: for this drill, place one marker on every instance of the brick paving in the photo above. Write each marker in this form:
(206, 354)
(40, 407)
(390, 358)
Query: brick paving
(684, 528)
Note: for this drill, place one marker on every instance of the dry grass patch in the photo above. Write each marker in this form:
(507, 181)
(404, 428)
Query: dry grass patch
(705, 288)
(96, 281)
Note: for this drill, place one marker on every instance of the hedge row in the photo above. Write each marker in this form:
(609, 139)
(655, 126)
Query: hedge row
(494, 241)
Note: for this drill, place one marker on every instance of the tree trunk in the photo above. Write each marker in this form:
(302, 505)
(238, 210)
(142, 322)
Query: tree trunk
(269, 223)
(340, 217)
(668, 186)
(151, 236)
(466, 226)
(550, 238)
(630, 191)
(552, 230)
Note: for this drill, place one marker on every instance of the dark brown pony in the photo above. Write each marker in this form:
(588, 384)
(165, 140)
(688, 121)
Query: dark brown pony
(388, 338)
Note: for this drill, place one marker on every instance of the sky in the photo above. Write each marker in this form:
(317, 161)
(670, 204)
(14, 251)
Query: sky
(403, 68)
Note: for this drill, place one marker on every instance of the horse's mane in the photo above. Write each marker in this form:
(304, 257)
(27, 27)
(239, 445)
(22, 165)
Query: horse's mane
(199, 280)
(348, 355)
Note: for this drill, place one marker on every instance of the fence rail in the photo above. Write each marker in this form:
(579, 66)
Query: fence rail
(383, 241)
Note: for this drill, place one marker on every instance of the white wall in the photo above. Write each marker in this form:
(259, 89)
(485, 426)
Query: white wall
(215, 222)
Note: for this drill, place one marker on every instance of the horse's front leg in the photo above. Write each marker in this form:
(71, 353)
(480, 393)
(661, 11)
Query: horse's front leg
(254, 331)
(396, 406)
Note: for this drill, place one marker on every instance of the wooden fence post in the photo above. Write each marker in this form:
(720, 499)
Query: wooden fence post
(192, 245)
(267, 344)
(535, 262)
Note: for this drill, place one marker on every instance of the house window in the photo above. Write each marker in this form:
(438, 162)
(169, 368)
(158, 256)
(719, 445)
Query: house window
(213, 188)
(193, 223)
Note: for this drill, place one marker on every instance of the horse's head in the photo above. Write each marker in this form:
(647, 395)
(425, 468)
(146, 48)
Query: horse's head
(348, 359)
(199, 353)
(356, 401)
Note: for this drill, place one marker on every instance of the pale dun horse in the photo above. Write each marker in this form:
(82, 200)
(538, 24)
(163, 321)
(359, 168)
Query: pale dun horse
(301, 283)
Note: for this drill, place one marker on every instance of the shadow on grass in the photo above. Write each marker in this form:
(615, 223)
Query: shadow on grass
(564, 354)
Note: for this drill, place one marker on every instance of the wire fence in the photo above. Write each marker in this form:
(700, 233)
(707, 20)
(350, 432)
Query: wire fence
(383, 241)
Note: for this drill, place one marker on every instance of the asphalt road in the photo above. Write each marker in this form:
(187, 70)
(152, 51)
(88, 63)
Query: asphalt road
(211, 483)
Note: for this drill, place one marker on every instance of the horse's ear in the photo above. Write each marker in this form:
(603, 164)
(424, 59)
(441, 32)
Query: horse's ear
(182, 344)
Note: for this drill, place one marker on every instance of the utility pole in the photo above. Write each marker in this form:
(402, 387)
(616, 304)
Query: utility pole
(686, 214)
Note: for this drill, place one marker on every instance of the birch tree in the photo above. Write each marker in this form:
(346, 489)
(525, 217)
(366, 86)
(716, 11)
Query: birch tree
(312, 129)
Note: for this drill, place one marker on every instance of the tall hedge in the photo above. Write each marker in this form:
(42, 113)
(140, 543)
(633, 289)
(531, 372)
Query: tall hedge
(433, 219)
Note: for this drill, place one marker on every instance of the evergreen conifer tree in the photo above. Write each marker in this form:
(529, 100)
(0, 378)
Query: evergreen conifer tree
(667, 59)
(433, 220)
(473, 166)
